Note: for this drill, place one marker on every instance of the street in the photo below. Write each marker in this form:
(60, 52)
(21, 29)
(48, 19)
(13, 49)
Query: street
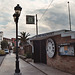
(1, 59)
(8, 67)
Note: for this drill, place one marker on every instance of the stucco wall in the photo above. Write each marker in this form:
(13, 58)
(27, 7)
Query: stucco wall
(64, 63)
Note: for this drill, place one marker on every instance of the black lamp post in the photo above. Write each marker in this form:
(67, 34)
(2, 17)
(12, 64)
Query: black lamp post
(16, 18)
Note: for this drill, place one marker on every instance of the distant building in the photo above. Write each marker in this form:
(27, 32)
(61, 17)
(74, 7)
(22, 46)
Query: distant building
(8, 40)
(1, 38)
(13, 41)
(56, 49)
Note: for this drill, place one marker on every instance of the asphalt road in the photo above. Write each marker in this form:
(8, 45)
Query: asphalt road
(1, 59)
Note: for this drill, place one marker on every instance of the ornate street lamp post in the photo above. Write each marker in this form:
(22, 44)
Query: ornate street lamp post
(16, 18)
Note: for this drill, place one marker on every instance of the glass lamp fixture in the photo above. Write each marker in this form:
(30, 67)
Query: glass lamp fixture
(18, 9)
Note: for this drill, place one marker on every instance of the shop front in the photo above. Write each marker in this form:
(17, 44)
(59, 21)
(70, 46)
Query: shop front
(56, 49)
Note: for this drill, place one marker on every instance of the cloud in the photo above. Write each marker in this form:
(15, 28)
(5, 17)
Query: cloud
(54, 19)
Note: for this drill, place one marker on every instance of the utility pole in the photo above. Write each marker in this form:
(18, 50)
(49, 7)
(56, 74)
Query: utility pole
(36, 25)
(69, 15)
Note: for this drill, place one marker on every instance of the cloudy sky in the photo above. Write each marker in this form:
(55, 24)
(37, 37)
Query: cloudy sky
(55, 18)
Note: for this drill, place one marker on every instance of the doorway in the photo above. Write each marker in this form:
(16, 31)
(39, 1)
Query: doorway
(39, 51)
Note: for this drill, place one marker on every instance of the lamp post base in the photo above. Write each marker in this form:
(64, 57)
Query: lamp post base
(17, 73)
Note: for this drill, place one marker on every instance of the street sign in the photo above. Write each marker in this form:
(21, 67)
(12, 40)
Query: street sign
(30, 19)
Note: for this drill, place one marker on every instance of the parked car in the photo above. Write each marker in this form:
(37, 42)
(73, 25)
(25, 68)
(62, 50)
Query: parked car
(6, 51)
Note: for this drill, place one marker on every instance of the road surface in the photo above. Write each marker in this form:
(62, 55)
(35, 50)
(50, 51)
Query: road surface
(1, 59)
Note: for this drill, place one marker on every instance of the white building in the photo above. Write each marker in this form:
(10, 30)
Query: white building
(1, 38)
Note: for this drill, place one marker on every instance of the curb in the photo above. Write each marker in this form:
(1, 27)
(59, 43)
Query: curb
(34, 66)
(37, 68)
(2, 60)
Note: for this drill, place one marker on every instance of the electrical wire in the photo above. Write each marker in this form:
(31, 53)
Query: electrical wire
(46, 10)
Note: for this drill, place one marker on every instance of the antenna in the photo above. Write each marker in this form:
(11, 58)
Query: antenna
(69, 15)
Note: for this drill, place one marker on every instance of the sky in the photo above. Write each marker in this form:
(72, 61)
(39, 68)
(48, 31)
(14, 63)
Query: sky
(55, 18)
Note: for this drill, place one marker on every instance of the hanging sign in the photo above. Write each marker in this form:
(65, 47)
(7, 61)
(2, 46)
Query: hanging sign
(30, 19)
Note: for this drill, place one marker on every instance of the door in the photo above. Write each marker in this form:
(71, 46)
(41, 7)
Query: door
(36, 51)
(40, 51)
(43, 52)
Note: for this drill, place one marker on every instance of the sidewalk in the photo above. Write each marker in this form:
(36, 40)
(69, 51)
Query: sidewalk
(8, 68)
(48, 70)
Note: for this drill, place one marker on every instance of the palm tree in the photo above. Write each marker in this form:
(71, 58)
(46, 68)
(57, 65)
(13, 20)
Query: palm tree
(23, 38)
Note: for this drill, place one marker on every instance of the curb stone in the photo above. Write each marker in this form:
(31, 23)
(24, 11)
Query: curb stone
(33, 65)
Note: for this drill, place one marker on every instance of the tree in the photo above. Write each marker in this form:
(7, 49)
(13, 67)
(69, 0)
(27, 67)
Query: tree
(23, 38)
(4, 44)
